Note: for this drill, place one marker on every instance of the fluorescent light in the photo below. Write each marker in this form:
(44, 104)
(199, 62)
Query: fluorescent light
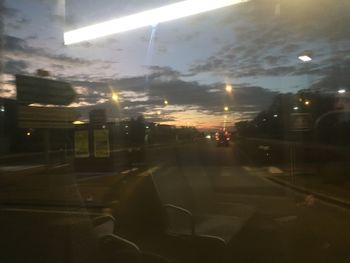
(146, 18)
(305, 58)
(228, 88)
(341, 91)
(78, 122)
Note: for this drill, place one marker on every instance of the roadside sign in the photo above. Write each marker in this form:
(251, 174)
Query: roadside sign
(46, 117)
(45, 91)
(101, 143)
(81, 144)
(300, 122)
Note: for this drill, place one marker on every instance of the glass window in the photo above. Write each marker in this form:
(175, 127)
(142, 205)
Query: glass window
(175, 131)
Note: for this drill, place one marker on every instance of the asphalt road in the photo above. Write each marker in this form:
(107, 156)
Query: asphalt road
(261, 221)
(266, 221)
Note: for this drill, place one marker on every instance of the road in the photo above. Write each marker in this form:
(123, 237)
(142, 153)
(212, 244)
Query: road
(274, 223)
(260, 220)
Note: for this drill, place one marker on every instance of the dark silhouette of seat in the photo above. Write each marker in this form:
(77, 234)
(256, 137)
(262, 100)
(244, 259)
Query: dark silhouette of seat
(114, 248)
(191, 208)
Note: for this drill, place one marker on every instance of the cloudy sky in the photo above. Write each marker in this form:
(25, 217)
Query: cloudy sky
(252, 46)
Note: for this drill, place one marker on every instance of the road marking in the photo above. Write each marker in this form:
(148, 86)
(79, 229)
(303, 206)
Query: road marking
(248, 168)
(20, 168)
(129, 171)
(94, 176)
(149, 172)
(274, 170)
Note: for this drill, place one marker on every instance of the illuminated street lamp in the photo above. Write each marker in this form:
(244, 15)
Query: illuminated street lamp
(166, 102)
(115, 97)
(226, 108)
(307, 102)
(228, 88)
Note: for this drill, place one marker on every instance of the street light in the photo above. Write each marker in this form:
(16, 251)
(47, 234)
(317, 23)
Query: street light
(166, 102)
(226, 108)
(228, 88)
(115, 97)
(78, 122)
(307, 102)
(305, 58)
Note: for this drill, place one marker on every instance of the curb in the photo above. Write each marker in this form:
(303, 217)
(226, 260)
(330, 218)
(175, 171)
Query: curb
(318, 195)
(24, 172)
(36, 169)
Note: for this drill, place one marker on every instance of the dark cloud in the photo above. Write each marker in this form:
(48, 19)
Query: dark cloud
(14, 44)
(267, 42)
(167, 72)
(15, 66)
(244, 67)
(164, 71)
(66, 21)
(19, 23)
(336, 77)
(8, 11)
(290, 48)
(32, 37)
(183, 94)
(275, 60)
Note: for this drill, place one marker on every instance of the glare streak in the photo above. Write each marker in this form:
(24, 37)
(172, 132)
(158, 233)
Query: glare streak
(146, 18)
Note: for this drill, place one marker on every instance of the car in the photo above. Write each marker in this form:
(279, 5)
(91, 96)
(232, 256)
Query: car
(222, 138)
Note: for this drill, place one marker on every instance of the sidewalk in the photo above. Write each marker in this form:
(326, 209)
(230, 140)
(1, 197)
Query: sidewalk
(310, 182)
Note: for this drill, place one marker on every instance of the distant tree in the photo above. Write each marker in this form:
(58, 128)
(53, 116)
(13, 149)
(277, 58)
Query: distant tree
(274, 122)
